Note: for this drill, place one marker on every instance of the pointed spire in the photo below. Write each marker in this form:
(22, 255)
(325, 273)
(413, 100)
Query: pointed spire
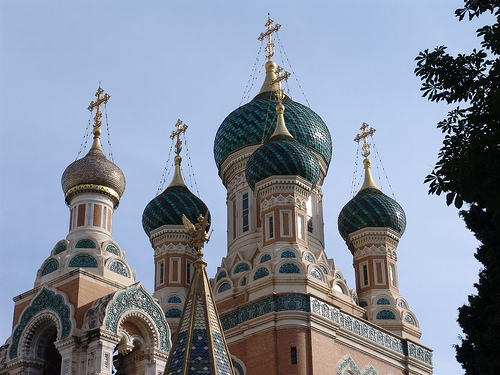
(200, 346)
(177, 179)
(368, 181)
(281, 128)
(96, 144)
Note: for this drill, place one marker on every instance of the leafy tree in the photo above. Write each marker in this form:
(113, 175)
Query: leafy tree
(468, 171)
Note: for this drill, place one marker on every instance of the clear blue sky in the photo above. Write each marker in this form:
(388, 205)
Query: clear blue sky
(161, 61)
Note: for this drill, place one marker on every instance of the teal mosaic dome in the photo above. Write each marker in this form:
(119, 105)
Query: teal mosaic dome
(168, 208)
(247, 126)
(371, 208)
(282, 156)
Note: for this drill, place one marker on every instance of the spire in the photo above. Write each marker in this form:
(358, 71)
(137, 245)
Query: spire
(368, 181)
(200, 346)
(281, 128)
(270, 65)
(97, 118)
(177, 179)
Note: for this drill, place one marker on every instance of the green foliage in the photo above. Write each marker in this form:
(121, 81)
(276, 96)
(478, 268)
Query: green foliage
(467, 171)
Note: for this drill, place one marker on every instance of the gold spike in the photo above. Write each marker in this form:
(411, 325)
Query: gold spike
(280, 108)
(268, 34)
(177, 133)
(280, 94)
(368, 181)
(98, 116)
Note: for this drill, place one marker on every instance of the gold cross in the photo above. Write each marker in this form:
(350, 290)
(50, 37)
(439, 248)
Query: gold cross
(280, 94)
(364, 135)
(177, 133)
(270, 30)
(97, 103)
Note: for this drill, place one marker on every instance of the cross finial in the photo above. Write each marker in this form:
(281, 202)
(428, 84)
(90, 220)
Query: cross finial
(268, 33)
(280, 94)
(177, 133)
(364, 135)
(98, 116)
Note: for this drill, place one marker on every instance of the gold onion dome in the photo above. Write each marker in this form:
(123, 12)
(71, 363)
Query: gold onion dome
(94, 172)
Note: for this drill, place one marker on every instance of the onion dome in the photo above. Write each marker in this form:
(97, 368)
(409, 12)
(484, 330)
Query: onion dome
(94, 172)
(371, 208)
(176, 200)
(282, 155)
(249, 124)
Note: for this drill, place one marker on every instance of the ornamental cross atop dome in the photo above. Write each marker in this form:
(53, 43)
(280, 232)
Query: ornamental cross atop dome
(100, 100)
(268, 34)
(364, 135)
(280, 94)
(177, 133)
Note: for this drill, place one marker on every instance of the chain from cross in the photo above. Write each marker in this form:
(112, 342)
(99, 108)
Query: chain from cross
(364, 135)
(100, 100)
(268, 33)
(280, 94)
(177, 133)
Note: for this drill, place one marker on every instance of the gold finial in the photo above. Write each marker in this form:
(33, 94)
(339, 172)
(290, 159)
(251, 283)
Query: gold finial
(268, 34)
(177, 133)
(368, 181)
(281, 128)
(177, 179)
(97, 118)
(198, 232)
(280, 94)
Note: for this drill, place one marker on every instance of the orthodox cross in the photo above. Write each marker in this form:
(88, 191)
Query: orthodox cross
(364, 135)
(280, 94)
(100, 100)
(177, 133)
(270, 30)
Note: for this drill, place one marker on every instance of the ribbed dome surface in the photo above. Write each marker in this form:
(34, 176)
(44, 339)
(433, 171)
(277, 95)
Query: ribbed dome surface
(95, 169)
(247, 126)
(371, 208)
(282, 156)
(168, 208)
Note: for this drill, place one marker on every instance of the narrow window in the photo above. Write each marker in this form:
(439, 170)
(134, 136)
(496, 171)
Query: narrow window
(161, 272)
(392, 274)
(365, 274)
(245, 212)
(300, 227)
(293, 355)
(188, 273)
(270, 226)
(309, 215)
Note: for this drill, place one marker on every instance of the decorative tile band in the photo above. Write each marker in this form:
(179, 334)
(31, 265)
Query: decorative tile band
(306, 303)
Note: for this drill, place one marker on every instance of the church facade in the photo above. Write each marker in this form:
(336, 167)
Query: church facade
(282, 306)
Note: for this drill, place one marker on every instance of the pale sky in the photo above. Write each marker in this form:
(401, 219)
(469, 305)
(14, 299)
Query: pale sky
(160, 61)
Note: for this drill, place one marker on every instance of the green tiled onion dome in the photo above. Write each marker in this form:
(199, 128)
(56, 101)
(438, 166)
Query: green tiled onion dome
(249, 124)
(93, 170)
(371, 208)
(282, 156)
(168, 208)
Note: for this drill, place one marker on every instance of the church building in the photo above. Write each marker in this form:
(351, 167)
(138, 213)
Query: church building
(276, 305)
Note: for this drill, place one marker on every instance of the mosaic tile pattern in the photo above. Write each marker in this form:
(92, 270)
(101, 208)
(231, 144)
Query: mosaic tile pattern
(324, 268)
(254, 122)
(237, 367)
(383, 301)
(50, 266)
(45, 300)
(221, 275)
(265, 258)
(371, 208)
(168, 208)
(386, 315)
(282, 156)
(173, 313)
(85, 244)
(288, 254)
(113, 249)
(83, 261)
(224, 287)
(242, 267)
(363, 304)
(402, 304)
(141, 300)
(309, 258)
(409, 319)
(93, 168)
(243, 281)
(289, 268)
(314, 272)
(174, 299)
(60, 248)
(261, 272)
(119, 268)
